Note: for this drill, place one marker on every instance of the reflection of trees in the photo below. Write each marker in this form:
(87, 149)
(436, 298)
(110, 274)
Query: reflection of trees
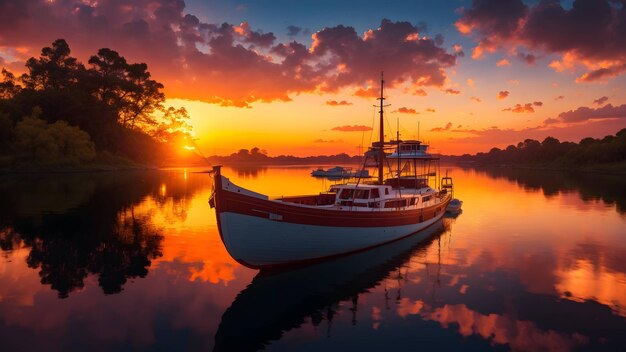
(611, 189)
(249, 171)
(103, 234)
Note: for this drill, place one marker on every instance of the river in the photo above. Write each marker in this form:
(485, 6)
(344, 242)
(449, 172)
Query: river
(134, 261)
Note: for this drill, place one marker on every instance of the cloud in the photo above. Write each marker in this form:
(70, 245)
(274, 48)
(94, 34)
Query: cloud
(337, 103)
(589, 35)
(550, 121)
(526, 108)
(405, 110)
(452, 91)
(353, 128)
(328, 141)
(447, 127)
(475, 99)
(420, 92)
(503, 62)
(560, 97)
(528, 58)
(601, 100)
(503, 94)
(498, 137)
(293, 31)
(584, 113)
(471, 83)
(370, 92)
(228, 64)
(430, 110)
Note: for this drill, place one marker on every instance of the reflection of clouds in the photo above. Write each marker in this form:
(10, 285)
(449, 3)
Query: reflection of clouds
(585, 281)
(502, 329)
(18, 283)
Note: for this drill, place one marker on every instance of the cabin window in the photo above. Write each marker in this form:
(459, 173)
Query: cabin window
(387, 191)
(361, 194)
(333, 190)
(374, 193)
(395, 203)
(346, 194)
(412, 201)
(426, 199)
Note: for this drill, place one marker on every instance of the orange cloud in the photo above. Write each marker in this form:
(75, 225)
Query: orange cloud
(601, 100)
(475, 99)
(353, 128)
(327, 141)
(229, 64)
(367, 92)
(337, 103)
(420, 92)
(452, 91)
(503, 62)
(584, 113)
(549, 27)
(526, 108)
(447, 127)
(503, 94)
(405, 110)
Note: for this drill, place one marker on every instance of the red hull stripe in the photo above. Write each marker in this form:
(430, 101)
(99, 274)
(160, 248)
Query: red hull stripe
(285, 212)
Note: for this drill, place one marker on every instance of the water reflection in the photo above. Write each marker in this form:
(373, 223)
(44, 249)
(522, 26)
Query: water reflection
(534, 262)
(80, 225)
(611, 189)
(249, 171)
(277, 302)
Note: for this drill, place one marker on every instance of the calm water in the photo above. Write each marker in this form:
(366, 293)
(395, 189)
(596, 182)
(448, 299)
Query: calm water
(133, 261)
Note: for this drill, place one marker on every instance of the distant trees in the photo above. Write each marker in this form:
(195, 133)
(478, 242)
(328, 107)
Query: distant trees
(551, 150)
(115, 104)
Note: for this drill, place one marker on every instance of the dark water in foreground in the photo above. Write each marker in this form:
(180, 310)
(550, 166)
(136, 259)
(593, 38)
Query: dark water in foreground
(133, 261)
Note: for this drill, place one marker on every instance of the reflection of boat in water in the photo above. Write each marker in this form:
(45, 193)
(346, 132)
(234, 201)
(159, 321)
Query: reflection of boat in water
(276, 302)
(261, 232)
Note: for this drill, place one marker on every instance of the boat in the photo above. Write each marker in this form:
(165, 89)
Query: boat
(260, 232)
(338, 172)
(333, 172)
(258, 315)
(454, 206)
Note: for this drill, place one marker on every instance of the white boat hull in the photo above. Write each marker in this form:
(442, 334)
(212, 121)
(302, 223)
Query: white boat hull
(260, 242)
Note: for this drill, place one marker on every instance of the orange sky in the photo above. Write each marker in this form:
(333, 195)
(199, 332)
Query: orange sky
(281, 78)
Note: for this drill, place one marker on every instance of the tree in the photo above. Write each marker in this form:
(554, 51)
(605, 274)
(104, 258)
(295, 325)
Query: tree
(55, 68)
(8, 86)
(52, 144)
(126, 88)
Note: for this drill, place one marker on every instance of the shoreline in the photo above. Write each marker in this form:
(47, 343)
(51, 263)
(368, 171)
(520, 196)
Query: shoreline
(605, 169)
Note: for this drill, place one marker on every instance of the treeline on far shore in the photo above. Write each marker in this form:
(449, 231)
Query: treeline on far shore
(551, 152)
(259, 156)
(61, 113)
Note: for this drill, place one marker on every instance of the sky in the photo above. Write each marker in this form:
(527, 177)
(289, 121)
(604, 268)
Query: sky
(301, 77)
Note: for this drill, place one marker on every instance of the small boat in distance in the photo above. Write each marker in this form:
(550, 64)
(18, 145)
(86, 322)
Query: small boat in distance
(260, 232)
(334, 172)
(338, 172)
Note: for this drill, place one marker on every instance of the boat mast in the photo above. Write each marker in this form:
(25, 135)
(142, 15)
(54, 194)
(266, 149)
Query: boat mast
(381, 151)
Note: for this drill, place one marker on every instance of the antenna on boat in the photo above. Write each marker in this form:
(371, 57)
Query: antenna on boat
(381, 151)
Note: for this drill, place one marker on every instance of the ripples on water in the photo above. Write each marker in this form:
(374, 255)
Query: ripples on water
(133, 261)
